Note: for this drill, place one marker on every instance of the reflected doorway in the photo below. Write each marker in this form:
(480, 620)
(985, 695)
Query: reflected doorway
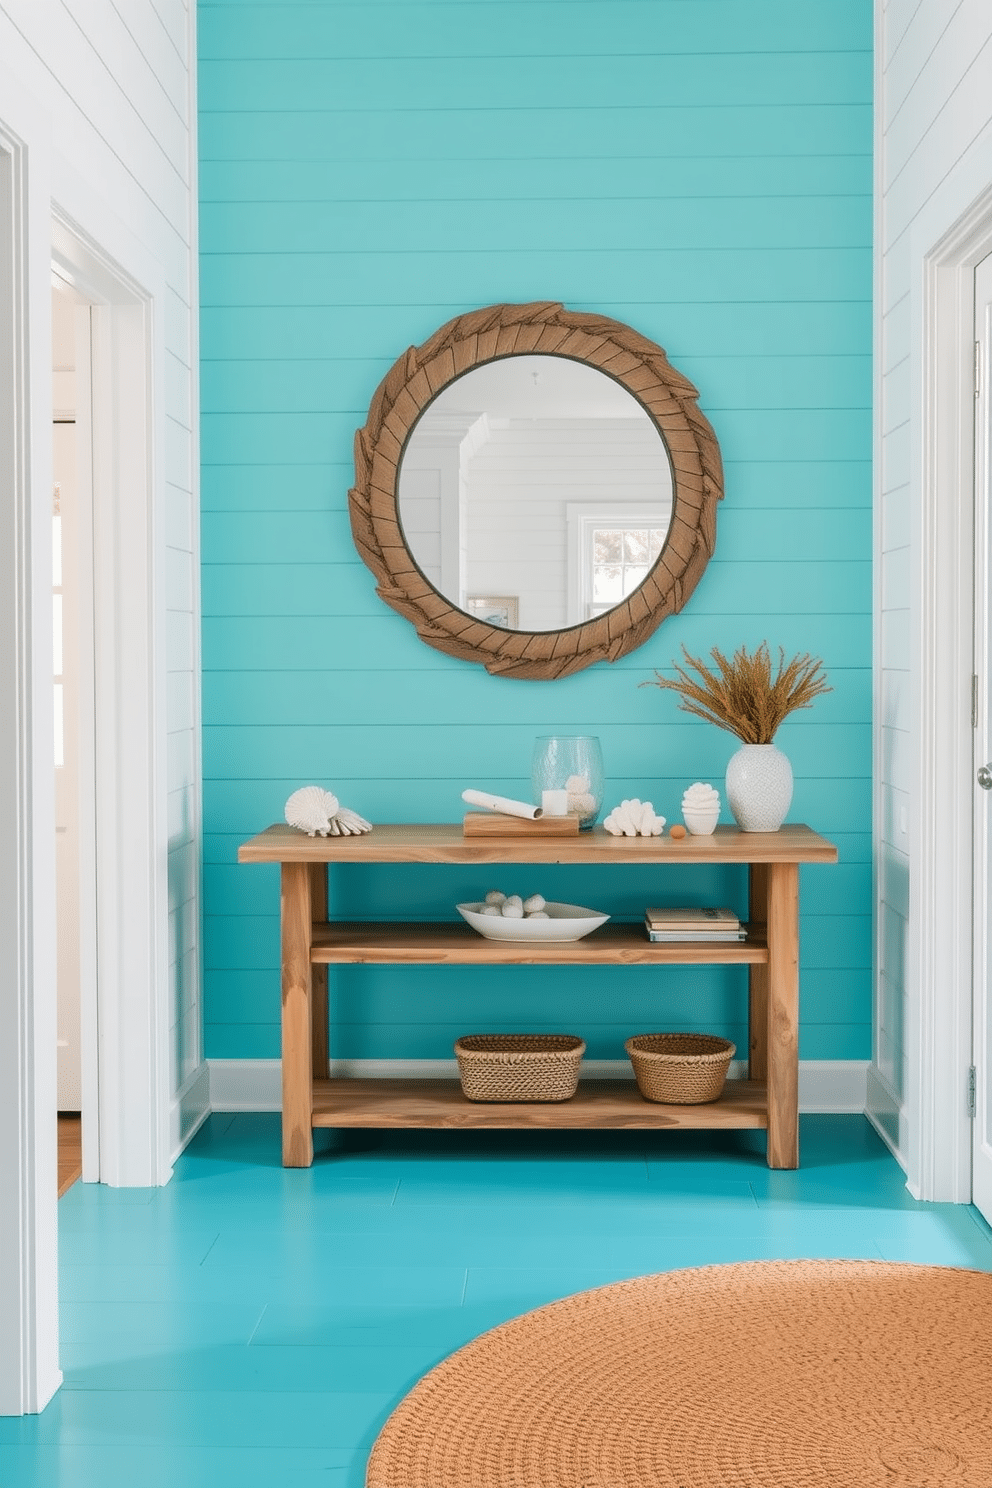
(72, 682)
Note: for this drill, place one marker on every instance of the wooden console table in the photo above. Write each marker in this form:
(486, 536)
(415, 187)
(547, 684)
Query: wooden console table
(769, 1098)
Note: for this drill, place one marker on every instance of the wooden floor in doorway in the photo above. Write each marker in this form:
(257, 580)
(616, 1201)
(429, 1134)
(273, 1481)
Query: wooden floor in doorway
(70, 1151)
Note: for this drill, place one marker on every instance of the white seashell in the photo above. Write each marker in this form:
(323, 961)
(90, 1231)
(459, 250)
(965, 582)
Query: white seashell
(310, 810)
(318, 813)
(534, 904)
(495, 897)
(351, 824)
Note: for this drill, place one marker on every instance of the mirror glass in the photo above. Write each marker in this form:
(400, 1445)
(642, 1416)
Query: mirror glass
(535, 492)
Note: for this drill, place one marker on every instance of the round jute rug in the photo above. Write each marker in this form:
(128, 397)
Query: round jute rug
(780, 1374)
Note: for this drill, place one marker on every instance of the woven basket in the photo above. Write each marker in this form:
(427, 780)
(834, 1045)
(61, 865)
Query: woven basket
(680, 1069)
(519, 1066)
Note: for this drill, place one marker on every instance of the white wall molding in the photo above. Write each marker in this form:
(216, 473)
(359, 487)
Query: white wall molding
(188, 1110)
(887, 1114)
(29, 1373)
(256, 1084)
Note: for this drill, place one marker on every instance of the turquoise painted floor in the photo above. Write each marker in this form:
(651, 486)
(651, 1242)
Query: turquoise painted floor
(248, 1326)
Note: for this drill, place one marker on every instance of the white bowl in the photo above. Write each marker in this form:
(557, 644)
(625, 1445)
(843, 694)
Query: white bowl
(700, 823)
(564, 922)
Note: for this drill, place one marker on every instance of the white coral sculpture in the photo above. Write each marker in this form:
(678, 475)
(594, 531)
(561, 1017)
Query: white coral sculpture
(634, 818)
(318, 813)
(580, 797)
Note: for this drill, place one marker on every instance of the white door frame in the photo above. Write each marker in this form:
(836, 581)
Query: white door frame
(981, 1171)
(950, 237)
(129, 287)
(125, 1050)
(29, 1372)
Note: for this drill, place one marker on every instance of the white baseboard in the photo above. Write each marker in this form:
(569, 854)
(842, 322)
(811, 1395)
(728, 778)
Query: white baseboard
(887, 1115)
(825, 1085)
(189, 1108)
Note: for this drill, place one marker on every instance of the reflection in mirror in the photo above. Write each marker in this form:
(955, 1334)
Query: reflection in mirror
(535, 492)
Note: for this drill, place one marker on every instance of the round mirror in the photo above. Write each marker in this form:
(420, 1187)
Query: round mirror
(535, 493)
(535, 489)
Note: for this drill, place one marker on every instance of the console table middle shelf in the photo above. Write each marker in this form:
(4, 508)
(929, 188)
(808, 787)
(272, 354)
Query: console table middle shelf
(769, 1098)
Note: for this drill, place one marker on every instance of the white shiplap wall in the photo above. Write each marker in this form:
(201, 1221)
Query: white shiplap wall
(117, 83)
(933, 117)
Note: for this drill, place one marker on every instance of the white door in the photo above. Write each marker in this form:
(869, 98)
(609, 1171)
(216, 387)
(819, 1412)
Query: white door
(982, 1016)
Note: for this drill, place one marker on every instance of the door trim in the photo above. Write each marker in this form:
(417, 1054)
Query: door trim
(29, 1373)
(982, 752)
(941, 951)
(129, 767)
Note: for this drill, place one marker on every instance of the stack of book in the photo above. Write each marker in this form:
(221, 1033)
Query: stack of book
(693, 924)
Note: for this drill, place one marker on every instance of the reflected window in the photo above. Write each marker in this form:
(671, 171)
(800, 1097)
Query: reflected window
(620, 559)
(611, 552)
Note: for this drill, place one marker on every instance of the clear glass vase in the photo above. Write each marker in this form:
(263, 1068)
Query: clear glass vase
(572, 763)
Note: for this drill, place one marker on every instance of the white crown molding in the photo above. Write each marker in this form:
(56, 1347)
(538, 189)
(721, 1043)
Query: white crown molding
(825, 1085)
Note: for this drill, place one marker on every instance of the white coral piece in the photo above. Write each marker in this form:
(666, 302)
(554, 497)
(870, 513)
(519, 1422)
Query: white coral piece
(700, 797)
(580, 797)
(318, 812)
(634, 818)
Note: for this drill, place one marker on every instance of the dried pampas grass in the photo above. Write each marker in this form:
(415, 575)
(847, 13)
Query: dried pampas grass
(741, 695)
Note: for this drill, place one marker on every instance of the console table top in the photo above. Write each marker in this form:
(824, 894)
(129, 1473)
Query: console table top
(410, 842)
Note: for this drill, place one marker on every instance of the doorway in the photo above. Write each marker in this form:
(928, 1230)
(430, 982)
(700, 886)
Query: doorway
(73, 746)
(114, 795)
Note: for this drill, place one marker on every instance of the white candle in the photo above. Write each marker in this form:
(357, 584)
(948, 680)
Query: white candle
(555, 802)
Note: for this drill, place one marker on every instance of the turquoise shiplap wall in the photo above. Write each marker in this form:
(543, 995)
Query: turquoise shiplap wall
(698, 168)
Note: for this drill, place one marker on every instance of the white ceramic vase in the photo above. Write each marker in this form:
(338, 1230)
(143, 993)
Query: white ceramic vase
(759, 787)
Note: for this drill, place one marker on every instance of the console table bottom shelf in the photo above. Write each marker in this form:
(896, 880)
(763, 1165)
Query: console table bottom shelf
(597, 1104)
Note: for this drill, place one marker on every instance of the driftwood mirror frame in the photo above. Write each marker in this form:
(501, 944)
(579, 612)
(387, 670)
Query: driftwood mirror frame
(637, 364)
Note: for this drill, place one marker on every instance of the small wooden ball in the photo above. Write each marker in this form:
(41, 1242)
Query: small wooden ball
(677, 833)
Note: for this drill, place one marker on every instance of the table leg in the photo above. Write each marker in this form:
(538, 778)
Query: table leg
(757, 1054)
(318, 975)
(783, 1015)
(297, 1027)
